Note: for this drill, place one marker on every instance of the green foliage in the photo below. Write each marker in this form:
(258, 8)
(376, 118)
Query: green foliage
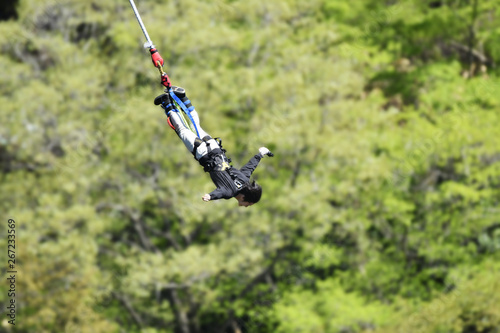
(379, 211)
(468, 306)
(328, 309)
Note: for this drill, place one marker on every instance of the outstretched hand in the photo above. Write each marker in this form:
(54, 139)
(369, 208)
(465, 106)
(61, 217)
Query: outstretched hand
(264, 151)
(206, 197)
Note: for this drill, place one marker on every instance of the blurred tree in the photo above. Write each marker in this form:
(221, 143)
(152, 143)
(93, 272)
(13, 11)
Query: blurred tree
(385, 185)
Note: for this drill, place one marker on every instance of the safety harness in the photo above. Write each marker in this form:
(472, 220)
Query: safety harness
(215, 159)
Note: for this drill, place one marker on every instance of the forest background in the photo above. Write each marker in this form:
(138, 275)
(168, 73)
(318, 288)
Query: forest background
(379, 210)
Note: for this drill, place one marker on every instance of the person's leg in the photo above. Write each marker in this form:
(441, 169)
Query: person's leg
(181, 94)
(189, 138)
(191, 141)
(182, 131)
(196, 119)
(202, 150)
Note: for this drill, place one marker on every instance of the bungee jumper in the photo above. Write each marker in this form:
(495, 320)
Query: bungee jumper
(182, 117)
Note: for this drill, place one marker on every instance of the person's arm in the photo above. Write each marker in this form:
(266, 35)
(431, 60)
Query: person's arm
(218, 193)
(249, 168)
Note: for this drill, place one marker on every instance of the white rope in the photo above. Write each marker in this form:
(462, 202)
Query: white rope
(149, 42)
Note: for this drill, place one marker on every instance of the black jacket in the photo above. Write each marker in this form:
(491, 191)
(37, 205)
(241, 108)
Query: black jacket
(230, 181)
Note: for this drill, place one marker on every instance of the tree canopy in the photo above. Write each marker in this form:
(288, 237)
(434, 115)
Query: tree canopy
(380, 210)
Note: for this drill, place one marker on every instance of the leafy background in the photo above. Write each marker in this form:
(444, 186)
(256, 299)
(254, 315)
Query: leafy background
(380, 210)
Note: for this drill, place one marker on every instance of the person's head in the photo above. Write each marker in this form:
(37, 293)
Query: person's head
(249, 194)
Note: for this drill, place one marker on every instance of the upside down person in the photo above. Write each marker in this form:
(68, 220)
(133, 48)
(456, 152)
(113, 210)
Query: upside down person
(229, 181)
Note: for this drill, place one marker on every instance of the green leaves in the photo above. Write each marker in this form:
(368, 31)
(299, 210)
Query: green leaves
(328, 309)
(383, 189)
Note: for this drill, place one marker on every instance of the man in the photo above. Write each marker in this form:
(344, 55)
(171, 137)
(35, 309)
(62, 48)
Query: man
(230, 182)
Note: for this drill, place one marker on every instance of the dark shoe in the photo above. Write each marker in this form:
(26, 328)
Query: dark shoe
(179, 92)
(161, 99)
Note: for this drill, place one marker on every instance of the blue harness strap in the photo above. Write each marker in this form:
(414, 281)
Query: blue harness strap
(169, 106)
(186, 109)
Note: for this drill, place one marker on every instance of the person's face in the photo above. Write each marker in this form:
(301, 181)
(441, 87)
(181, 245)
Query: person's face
(243, 203)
